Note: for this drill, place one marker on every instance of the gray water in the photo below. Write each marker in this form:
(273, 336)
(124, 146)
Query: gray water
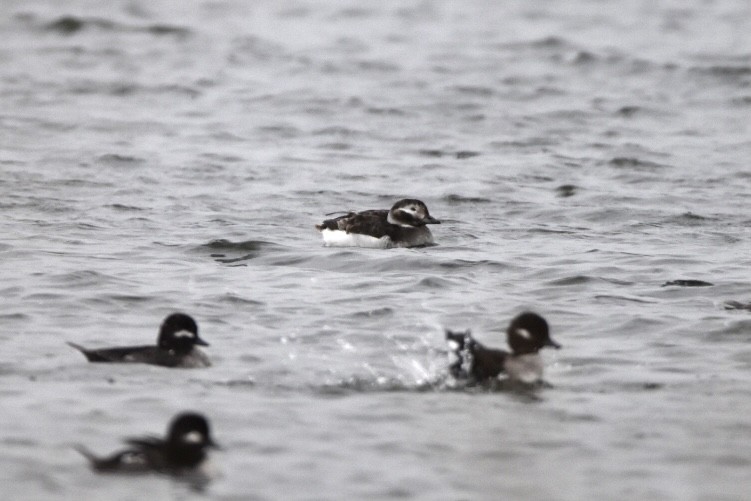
(174, 156)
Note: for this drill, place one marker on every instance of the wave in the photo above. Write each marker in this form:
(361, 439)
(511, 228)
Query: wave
(455, 199)
(687, 283)
(69, 25)
(439, 153)
(635, 163)
(440, 383)
(228, 252)
(737, 305)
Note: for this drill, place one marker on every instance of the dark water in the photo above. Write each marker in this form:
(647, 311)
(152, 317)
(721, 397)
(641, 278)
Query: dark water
(589, 160)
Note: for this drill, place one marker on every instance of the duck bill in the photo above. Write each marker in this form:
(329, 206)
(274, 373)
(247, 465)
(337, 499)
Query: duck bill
(553, 344)
(201, 342)
(431, 220)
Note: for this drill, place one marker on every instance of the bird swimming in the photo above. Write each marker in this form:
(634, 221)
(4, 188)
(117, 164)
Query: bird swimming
(527, 334)
(404, 225)
(182, 451)
(176, 347)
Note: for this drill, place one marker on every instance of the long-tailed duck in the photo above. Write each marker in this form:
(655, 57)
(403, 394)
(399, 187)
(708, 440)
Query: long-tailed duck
(176, 347)
(402, 226)
(182, 451)
(526, 335)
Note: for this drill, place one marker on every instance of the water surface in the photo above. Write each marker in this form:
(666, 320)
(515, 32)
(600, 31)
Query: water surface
(589, 161)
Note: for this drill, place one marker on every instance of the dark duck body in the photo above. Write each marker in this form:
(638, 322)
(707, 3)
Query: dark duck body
(176, 347)
(182, 451)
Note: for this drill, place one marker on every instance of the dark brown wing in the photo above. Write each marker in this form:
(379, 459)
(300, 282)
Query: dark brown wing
(124, 354)
(368, 222)
(333, 223)
(146, 442)
(153, 450)
(127, 461)
(148, 354)
(167, 456)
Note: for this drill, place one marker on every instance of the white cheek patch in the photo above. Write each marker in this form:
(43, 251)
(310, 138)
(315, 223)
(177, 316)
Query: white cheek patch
(453, 345)
(193, 437)
(523, 333)
(183, 333)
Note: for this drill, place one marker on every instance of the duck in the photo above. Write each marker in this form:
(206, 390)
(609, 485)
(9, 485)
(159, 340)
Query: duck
(404, 225)
(182, 451)
(176, 347)
(526, 335)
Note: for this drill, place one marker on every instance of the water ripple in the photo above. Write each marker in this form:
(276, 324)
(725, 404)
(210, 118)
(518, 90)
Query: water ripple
(69, 25)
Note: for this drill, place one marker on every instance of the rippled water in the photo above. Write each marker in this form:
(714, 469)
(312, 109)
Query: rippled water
(589, 160)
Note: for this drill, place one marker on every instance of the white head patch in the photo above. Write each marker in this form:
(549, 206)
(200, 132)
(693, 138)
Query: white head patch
(193, 437)
(523, 333)
(184, 333)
